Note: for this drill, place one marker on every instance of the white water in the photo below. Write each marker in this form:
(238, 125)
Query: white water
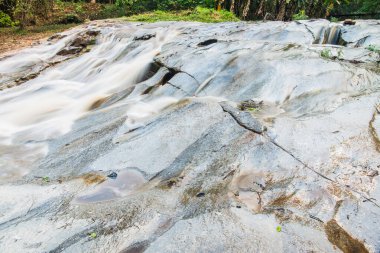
(47, 106)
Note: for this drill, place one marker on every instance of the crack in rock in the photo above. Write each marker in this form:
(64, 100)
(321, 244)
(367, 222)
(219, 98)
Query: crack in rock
(373, 131)
(320, 174)
(179, 88)
(245, 120)
(310, 31)
(176, 70)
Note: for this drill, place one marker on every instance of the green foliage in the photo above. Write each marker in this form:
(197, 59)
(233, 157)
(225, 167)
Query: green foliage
(138, 6)
(29, 11)
(8, 7)
(71, 18)
(109, 11)
(358, 6)
(326, 53)
(181, 4)
(79, 9)
(199, 14)
(301, 15)
(93, 235)
(369, 5)
(334, 19)
(278, 228)
(5, 20)
(373, 48)
(46, 29)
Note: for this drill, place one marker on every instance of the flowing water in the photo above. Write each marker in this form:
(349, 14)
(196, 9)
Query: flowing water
(329, 35)
(46, 107)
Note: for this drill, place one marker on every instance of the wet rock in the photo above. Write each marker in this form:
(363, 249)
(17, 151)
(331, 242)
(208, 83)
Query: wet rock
(342, 239)
(201, 194)
(80, 43)
(349, 22)
(207, 42)
(83, 40)
(113, 175)
(70, 50)
(144, 37)
(93, 178)
(124, 184)
(56, 37)
(92, 33)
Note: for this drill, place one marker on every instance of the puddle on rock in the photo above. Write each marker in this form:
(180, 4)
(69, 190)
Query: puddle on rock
(126, 183)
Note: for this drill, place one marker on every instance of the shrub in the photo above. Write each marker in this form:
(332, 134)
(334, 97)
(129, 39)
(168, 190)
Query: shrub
(29, 11)
(199, 14)
(109, 11)
(138, 6)
(5, 20)
(70, 19)
(79, 9)
(301, 15)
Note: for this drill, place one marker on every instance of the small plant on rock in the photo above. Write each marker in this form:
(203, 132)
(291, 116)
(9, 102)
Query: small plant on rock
(373, 48)
(326, 53)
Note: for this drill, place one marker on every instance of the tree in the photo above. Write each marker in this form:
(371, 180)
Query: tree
(279, 9)
(28, 11)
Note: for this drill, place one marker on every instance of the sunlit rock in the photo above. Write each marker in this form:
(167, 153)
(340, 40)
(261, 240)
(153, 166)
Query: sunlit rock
(191, 137)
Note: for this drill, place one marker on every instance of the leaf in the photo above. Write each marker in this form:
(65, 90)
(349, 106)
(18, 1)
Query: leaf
(46, 179)
(93, 235)
(278, 228)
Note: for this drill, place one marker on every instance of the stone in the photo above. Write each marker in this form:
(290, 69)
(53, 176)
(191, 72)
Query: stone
(69, 51)
(244, 119)
(218, 143)
(349, 22)
(112, 175)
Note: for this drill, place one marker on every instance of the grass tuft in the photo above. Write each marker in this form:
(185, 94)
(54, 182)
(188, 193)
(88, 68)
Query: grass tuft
(326, 53)
(373, 48)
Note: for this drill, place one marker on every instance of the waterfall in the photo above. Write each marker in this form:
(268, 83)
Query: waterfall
(329, 35)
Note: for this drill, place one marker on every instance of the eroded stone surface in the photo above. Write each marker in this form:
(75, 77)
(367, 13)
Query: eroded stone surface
(158, 105)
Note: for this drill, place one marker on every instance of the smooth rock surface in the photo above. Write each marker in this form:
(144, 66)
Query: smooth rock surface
(158, 104)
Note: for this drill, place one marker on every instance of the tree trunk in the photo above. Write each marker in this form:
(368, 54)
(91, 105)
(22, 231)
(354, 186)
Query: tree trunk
(232, 7)
(246, 9)
(281, 10)
(260, 11)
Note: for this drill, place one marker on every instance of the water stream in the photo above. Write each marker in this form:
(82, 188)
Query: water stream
(48, 105)
(330, 35)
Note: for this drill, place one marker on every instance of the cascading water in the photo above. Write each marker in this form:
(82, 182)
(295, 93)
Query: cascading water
(48, 105)
(329, 35)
